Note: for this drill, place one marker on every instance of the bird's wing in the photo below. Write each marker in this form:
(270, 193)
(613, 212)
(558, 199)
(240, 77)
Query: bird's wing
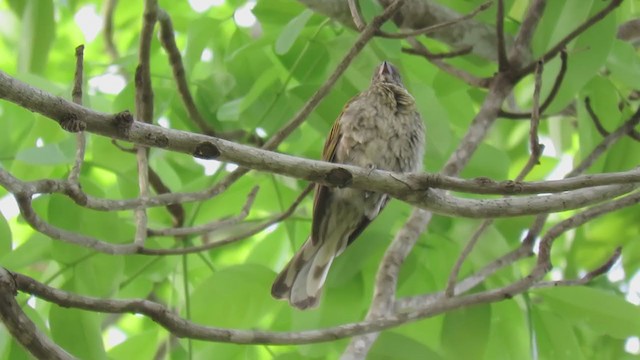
(322, 192)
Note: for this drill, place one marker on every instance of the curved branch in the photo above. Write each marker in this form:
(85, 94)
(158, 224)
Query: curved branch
(185, 328)
(443, 204)
(402, 186)
(23, 330)
(421, 14)
(558, 47)
(168, 41)
(211, 226)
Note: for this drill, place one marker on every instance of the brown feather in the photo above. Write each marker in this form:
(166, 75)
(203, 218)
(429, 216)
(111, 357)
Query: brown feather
(378, 129)
(322, 192)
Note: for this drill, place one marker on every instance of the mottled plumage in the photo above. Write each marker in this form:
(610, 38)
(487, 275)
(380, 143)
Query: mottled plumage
(378, 129)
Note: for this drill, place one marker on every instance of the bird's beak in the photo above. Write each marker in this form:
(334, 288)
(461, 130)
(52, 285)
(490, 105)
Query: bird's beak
(385, 68)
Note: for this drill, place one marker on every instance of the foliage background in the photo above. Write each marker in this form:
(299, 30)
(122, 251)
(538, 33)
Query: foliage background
(255, 78)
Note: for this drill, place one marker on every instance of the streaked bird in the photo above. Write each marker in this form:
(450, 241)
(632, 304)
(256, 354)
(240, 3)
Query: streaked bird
(378, 129)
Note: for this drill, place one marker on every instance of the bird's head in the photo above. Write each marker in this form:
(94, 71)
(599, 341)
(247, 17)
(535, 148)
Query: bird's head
(387, 84)
(386, 73)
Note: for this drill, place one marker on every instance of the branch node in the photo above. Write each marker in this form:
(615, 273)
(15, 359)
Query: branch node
(74, 191)
(123, 121)
(71, 123)
(339, 177)
(157, 140)
(602, 269)
(513, 187)
(206, 150)
(483, 181)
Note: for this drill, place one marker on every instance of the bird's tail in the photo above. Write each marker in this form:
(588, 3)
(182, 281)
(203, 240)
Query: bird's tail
(301, 281)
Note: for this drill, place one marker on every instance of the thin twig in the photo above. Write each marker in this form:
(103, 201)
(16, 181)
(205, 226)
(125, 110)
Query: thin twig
(415, 308)
(434, 56)
(358, 20)
(562, 44)
(453, 276)
(420, 49)
(552, 94)
(600, 270)
(503, 61)
(81, 140)
(144, 112)
(633, 133)
(28, 213)
(430, 29)
(109, 9)
(606, 143)
(168, 41)
(594, 117)
(176, 209)
(522, 43)
(413, 303)
(233, 238)
(389, 269)
(212, 226)
(534, 142)
(365, 36)
(534, 158)
(360, 23)
(544, 250)
(601, 148)
(185, 328)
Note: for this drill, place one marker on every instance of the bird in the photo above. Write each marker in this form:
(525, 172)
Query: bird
(381, 129)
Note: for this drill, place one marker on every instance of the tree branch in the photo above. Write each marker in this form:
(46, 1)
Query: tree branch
(360, 23)
(23, 330)
(214, 225)
(421, 14)
(317, 171)
(562, 44)
(168, 41)
(365, 36)
(78, 125)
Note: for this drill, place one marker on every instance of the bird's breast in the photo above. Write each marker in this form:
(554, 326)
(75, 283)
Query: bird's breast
(382, 137)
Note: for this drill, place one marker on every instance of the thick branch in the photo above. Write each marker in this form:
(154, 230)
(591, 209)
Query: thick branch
(420, 14)
(23, 330)
(397, 185)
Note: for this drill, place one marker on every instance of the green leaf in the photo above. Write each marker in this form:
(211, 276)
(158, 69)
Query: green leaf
(560, 18)
(38, 32)
(5, 236)
(259, 88)
(291, 32)
(308, 61)
(78, 332)
(391, 345)
(509, 336)
(199, 36)
(488, 161)
(230, 111)
(555, 337)
(465, 332)
(604, 312)
(236, 296)
(587, 56)
(100, 276)
(49, 154)
(37, 248)
(624, 64)
(137, 346)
